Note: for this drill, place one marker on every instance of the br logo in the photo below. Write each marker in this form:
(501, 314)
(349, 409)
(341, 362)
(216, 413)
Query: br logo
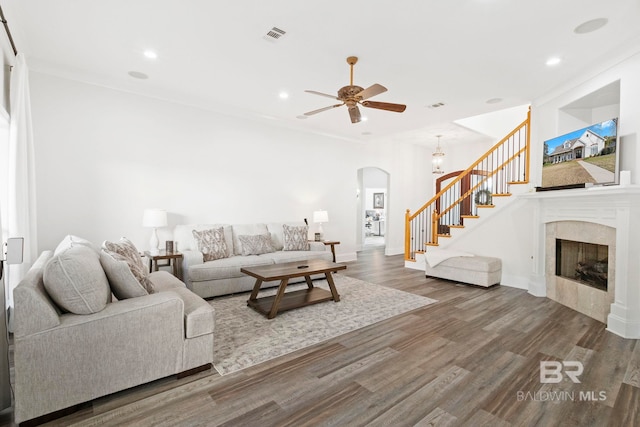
(551, 372)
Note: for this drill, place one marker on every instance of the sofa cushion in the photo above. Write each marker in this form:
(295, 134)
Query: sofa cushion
(246, 230)
(74, 279)
(128, 250)
(256, 245)
(121, 280)
(211, 243)
(199, 316)
(226, 268)
(295, 238)
(71, 241)
(164, 281)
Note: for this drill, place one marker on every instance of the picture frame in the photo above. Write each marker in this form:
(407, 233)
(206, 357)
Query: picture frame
(378, 200)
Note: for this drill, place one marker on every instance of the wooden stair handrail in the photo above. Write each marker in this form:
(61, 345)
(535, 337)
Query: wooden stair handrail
(476, 163)
(510, 141)
(470, 191)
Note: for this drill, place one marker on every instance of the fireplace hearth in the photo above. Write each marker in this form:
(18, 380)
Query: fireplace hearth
(585, 263)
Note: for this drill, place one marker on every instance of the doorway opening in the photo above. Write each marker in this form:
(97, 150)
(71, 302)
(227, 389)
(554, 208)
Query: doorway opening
(373, 203)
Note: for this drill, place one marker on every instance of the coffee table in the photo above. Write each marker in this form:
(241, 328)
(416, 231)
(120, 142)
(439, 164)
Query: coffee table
(272, 305)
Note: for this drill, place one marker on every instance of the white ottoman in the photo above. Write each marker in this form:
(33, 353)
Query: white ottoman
(476, 270)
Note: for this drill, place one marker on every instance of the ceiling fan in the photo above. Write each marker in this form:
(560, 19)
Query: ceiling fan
(353, 95)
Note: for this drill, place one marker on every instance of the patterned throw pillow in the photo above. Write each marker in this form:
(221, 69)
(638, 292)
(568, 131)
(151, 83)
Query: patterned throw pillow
(256, 244)
(295, 238)
(129, 253)
(211, 243)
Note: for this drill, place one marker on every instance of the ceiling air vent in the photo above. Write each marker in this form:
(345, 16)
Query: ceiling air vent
(436, 105)
(274, 34)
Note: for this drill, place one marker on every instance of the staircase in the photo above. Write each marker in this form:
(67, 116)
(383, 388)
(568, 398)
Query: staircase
(471, 192)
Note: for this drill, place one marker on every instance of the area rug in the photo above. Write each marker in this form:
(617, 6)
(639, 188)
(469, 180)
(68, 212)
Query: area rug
(244, 338)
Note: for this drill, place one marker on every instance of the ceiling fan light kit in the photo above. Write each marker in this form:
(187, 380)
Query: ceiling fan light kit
(353, 95)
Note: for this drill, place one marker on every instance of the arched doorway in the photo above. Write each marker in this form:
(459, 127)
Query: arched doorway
(372, 207)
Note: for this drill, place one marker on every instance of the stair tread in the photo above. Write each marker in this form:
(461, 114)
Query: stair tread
(501, 194)
(456, 226)
(469, 216)
(485, 206)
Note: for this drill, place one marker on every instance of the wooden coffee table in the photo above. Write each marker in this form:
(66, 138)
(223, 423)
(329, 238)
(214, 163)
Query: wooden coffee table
(272, 305)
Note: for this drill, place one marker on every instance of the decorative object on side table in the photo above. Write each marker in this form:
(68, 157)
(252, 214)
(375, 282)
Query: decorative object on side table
(154, 218)
(168, 245)
(319, 217)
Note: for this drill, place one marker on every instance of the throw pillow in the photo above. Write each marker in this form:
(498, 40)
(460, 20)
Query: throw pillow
(130, 253)
(74, 279)
(71, 241)
(295, 238)
(211, 243)
(257, 244)
(122, 281)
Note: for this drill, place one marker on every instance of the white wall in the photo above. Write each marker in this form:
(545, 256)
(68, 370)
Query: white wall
(103, 156)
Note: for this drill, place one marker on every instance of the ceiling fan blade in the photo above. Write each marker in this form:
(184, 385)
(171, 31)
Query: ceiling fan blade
(398, 108)
(372, 90)
(322, 94)
(311, 113)
(354, 113)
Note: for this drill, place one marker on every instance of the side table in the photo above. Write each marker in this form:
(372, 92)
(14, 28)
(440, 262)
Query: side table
(333, 244)
(174, 260)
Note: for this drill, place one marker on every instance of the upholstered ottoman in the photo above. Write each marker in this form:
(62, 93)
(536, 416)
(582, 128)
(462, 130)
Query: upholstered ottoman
(476, 270)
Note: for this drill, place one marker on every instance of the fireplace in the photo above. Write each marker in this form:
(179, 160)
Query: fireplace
(580, 266)
(586, 263)
(602, 216)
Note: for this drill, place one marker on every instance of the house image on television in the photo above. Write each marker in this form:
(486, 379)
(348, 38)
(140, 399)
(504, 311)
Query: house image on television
(587, 145)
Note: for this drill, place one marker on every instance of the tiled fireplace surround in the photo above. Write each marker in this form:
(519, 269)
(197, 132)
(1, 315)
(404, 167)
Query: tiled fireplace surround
(602, 215)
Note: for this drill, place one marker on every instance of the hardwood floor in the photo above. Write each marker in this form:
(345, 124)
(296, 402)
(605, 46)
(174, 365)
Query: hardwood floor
(471, 359)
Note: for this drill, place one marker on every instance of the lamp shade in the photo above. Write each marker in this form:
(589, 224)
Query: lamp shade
(320, 216)
(154, 218)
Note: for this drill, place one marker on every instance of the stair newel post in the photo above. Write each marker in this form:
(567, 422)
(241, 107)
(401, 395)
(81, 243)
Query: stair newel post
(527, 146)
(434, 227)
(407, 236)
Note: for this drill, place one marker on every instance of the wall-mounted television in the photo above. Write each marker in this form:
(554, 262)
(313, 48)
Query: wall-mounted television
(584, 157)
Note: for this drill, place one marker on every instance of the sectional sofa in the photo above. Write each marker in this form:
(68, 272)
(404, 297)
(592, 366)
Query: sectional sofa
(237, 246)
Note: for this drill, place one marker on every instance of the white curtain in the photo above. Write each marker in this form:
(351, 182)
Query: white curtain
(21, 194)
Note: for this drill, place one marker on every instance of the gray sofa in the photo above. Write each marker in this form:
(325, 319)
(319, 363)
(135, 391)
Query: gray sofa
(223, 276)
(63, 359)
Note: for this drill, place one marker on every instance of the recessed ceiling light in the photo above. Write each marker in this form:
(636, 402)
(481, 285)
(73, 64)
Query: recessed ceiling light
(494, 100)
(590, 26)
(283, 95)
(150, 54)
(555, 60)
(363, 119)
(138, 75)
(302, 117)
(366, 133)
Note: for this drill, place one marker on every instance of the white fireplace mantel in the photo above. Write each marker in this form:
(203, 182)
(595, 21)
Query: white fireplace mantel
(613, 206)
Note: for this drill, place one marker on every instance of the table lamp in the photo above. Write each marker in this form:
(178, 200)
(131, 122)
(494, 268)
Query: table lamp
(154, 218)
(319, 217)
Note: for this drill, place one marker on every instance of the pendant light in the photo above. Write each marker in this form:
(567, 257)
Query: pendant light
(438, 159)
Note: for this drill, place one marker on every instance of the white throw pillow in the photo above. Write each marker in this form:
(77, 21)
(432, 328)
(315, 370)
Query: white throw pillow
(71, 241)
